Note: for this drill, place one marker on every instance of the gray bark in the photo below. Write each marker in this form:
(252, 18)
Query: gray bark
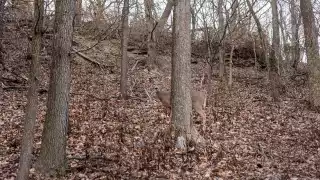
(32, 104)
(164, 18)
(124, 47)
(2, 24)
(295, 51)
(221, 46)
(151, 33)
(52, 159)
(181, 76)
(193, 23)
(312, 48)
(275, 53)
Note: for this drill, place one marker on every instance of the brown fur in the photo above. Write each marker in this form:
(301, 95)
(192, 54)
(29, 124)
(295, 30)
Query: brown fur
(198, 102)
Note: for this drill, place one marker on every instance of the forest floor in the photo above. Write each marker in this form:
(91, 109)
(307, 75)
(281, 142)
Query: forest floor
(248, 135)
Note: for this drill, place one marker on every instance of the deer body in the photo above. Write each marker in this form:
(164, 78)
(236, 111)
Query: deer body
(198, 99)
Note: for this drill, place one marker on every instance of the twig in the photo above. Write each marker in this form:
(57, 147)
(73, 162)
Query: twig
(135, 64)
(148, 94)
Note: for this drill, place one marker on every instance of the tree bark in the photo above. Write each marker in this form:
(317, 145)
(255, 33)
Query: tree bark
(124, 47)
(2, 24)
(221, 46)
(284, 36)
(151, 33)
(193, 22)
(295, 51)
(312, 48)
(230, 66)
(164, 18)
(32, 105)
(275, 53)
(181, 76)
(52, 159)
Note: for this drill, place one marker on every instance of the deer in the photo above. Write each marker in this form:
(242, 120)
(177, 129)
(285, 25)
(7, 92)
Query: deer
(198, 99)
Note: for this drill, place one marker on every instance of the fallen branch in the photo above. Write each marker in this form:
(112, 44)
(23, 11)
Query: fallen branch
(7, 88)
(22, 88)
(85, 57)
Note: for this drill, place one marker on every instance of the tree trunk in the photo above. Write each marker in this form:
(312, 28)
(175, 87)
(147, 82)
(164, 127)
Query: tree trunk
(124, 47)
(230, 66)
(193, 23)
(151, 33)
(284, 36)
(137, 11)
(221, 46)
(164, 18)
(274, 54)
(235, 15)
(32, 105)
(260, 32)
(312, 48)
(295, 50)
(78, 17)
(2, 24)
(52, 159)
(181, 76)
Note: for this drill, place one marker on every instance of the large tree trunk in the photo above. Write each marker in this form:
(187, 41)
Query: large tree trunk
(124, 47)
(32, 105)
(275, 53)
(52, 159)
(295, 50)
(181, 76)
(2, 66)
(312, 48)
(151, 33)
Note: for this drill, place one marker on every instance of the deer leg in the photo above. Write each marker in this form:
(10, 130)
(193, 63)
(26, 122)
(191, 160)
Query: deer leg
(203, 116)
(169, 113)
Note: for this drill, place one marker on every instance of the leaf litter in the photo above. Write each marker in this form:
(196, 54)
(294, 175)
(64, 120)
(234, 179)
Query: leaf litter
(248, 136)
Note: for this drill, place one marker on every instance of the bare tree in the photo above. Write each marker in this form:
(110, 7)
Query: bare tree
(98, 8)
(124, 47)
(2, 3)
(194, 13)
(275, 54)
(163, 19)
(295, 50)
(260, 32)
(52, 159)
(221, 46)
(312, 48)
(32, 105)
(151, 33)
(181, 75)
(285, 34)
